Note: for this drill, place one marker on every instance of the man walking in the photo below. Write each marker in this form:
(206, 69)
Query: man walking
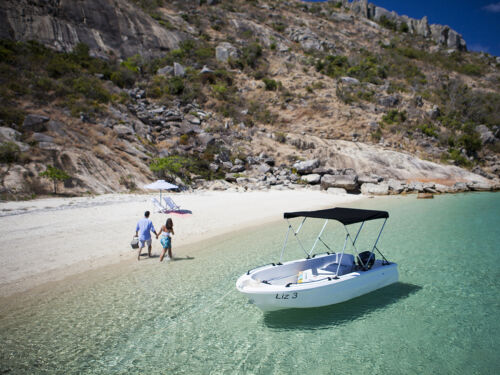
(143, 229)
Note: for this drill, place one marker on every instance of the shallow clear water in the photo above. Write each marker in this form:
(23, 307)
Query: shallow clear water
(186, 317)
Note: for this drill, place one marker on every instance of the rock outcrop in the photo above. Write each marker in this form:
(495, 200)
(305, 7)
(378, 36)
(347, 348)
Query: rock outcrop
(442, 35)
(106, 26)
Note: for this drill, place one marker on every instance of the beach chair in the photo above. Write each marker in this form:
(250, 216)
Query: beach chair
(157, 205)
(171, 205)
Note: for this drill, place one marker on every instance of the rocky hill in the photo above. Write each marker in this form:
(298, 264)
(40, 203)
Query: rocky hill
(246, 94)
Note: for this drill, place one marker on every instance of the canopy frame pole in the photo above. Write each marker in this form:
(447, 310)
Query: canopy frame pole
(286, 241)
(300, 226)
(355, 239)
(318, 238)
(297, 238)
(295, 232)
(375, 244)
(359, 230)
(342, 254)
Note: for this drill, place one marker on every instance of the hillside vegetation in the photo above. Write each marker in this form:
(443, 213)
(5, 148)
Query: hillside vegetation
(250, 83)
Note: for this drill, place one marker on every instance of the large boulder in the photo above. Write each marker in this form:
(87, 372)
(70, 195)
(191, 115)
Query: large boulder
(389, 101)
(396, 186)
(479, 186)
(306, 167)
(416, 186)
(460, 186)
(166, 70)
(375, 189)
(9, 134)
(311, 179)
(308, 39)
(123, 130)
(348, 182)
(179, 70)
(205, 139)
(224, 51)
(237, 169)
(485, 134)
(263, 168)
(40, 137)
(35, 123)
(349, 80)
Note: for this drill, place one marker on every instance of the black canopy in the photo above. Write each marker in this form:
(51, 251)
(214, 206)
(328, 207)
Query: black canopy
(345, 215)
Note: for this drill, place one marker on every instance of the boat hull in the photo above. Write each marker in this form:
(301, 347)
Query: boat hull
(322, 293)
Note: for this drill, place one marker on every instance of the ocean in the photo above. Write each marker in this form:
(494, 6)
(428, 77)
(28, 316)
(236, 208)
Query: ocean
(186, 316)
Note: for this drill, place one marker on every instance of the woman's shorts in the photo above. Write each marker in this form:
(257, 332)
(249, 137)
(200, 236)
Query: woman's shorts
(165, 242)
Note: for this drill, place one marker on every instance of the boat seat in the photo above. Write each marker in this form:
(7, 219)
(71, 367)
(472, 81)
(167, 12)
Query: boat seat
(346, 266)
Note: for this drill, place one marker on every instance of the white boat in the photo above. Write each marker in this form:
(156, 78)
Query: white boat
(321, 279)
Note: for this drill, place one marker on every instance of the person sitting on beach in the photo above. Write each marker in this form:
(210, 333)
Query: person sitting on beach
(143, 228)
(166, 232)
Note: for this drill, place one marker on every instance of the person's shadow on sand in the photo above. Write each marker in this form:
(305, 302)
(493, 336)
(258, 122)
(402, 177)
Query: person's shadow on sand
(187, 257)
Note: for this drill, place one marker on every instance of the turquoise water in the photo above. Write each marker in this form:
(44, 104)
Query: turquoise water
(186, 317)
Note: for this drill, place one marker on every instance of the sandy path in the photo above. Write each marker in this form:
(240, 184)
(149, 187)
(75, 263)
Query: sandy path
(48, 239)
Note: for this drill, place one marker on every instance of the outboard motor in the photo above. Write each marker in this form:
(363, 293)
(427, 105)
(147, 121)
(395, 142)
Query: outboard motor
(363, 261)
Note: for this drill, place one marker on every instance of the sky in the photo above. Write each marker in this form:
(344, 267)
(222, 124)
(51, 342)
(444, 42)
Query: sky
(477, 20)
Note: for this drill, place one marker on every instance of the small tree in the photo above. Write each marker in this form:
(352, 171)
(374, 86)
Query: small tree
(56, 175)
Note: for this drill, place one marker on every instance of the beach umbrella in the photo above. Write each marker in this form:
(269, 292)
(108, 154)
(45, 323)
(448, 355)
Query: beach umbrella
(160, 185)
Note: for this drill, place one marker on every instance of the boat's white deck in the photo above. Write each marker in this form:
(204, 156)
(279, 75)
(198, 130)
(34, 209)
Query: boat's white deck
(317, 274)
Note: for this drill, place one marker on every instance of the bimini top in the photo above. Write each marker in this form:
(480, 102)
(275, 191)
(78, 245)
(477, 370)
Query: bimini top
(345, 215)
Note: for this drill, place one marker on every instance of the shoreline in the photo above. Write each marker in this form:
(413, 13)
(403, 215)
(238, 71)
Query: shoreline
(48, 240)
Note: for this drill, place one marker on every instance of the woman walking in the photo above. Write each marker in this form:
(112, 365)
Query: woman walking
(166, 233)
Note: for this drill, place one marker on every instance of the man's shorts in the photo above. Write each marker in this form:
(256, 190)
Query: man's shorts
(143, 243)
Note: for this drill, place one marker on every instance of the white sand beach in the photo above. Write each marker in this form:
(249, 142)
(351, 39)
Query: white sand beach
(48, 239)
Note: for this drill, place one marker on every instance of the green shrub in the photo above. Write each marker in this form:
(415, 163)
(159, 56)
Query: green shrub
(470, 139)
(251, 54)
(409, 52)
(184, 139)
(279, 26)
(470, 69)
(459, 158)
(9, 152)
(91, 88)
(60, 66)
(260, 113)
(128, 182)
(333, 66)
(123, 77)
(377, 135)
(181, 166)
(388, 24)
(133, 63)
(429, 130)
(56, 175)
(220, 91)
(403, 27)
(280, 137)
(270, 84)
(394, 117)
(175, 85)
(11, 115)
(368, 69)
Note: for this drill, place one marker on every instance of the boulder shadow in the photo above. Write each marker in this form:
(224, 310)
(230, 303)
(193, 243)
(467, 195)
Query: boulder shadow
(338, 314)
